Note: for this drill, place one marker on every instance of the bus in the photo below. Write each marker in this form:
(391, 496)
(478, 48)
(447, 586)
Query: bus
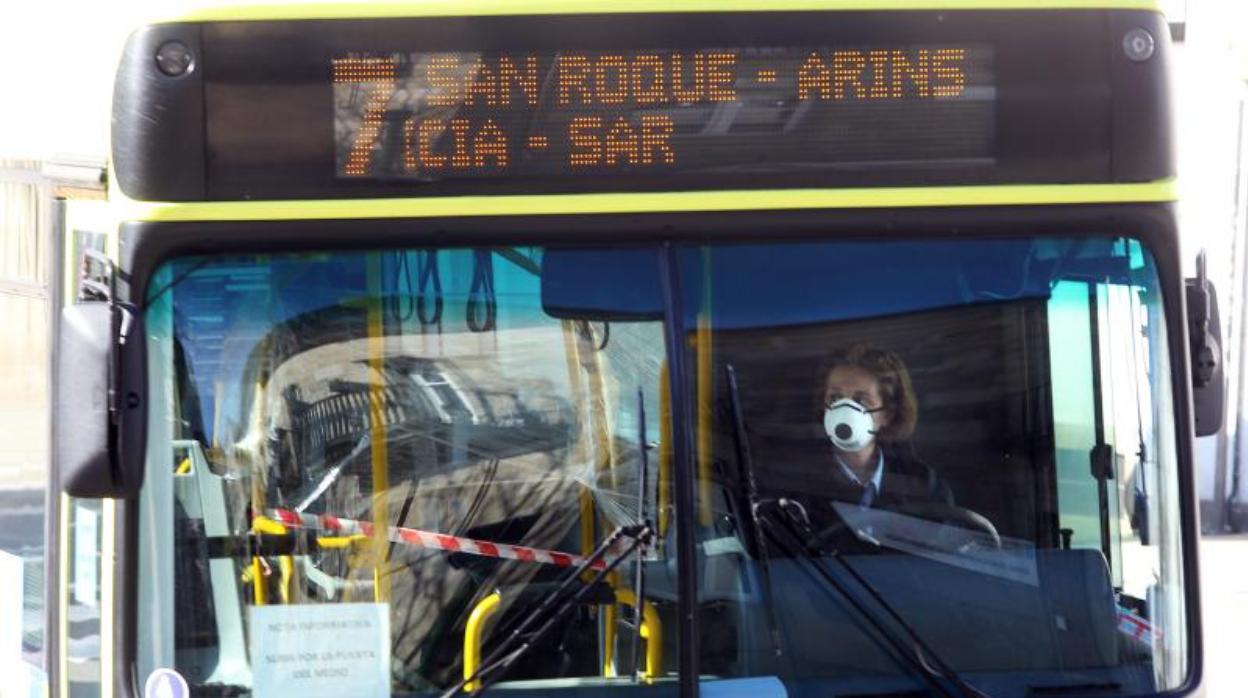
(655, 348)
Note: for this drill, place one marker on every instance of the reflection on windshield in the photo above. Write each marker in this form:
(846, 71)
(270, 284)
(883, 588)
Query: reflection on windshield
(922, 416)
(383, 462)
(405, 440)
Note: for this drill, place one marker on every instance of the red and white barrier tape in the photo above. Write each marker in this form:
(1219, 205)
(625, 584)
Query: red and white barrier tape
(1134, 626)
(425, 539)
(1128, 623)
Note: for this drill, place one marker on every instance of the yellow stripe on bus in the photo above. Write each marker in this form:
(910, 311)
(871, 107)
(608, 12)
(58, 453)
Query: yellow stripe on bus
(664, 202)
(464, 8)
(62, 597)
(108, 591)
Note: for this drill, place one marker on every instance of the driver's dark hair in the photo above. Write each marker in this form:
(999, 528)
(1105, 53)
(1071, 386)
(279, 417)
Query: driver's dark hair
(890, 372)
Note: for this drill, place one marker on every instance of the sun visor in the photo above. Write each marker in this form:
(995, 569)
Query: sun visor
(606, 285)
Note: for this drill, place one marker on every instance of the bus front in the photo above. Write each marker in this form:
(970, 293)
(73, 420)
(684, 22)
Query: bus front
(564, 348)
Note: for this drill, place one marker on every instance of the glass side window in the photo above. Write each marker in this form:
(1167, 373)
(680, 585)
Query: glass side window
(934, 463)
(368, 470)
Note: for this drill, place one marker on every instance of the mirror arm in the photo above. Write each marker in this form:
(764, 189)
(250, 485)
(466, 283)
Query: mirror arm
(1204, 337)
(1204, 346)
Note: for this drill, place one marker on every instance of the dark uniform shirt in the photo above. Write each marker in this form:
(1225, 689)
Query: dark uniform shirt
(905, 481)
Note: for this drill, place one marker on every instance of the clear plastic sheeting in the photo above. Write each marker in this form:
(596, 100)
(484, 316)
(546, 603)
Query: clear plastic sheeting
(416, 390)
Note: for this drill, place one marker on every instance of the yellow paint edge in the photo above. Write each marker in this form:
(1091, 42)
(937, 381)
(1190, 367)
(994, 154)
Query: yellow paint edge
(377, 413)
(62, 599)
(705, 394)
(667, 202)
(108, 572)
(480, 8)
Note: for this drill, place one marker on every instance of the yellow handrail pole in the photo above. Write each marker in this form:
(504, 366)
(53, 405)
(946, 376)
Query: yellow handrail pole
(703, 342)
(473, 632)
(665, 452)
(339, 542)
(256, 570)
(378, 450)
(286, 564)
(606, 456)
(264, 526)
(608, 640)
(268, 527)
(257, 582)
(601, 416)
(651, 631)
(572, 355)
(587, 521)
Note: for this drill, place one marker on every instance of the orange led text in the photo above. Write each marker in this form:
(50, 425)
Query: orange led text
(880, 74)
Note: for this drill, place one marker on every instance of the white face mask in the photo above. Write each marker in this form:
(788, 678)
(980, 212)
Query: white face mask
(849, 425)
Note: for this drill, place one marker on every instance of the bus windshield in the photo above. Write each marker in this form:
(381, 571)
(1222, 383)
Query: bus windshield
(914, 464)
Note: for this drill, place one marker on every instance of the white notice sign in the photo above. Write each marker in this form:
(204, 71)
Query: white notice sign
(86, 556)
(321, 650)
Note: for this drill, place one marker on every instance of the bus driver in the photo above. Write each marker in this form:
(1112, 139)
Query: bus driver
(869, 415)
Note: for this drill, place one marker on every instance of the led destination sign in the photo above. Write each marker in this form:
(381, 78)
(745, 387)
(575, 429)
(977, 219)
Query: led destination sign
(709, 111)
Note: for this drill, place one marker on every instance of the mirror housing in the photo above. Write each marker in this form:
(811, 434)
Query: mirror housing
(99, 413)
(1204, 337)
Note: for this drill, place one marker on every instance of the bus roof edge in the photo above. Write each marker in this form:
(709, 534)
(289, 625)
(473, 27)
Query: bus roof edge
(244, 12)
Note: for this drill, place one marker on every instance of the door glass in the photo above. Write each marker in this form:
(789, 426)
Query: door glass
(367, 470)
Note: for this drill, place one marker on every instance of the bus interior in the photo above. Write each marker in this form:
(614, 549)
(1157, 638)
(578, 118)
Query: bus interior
(523, 396)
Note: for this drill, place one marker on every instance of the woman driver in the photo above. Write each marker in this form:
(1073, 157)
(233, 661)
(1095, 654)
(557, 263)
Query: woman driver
(869, 414)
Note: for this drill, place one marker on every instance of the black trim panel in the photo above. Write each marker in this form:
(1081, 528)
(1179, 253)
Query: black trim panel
(158, 120)
(681, 413)
(254, 117)
(1142, 126)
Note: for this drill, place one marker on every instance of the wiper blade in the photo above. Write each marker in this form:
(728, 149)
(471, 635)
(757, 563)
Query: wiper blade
(745, 459)
(331, 475)
(553, 608)
(639, 580)
(797, 541)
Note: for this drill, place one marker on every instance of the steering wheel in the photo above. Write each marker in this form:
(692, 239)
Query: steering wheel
(937, 512)
(956, 516)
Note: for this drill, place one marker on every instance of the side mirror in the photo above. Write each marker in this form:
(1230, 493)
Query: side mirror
(99, 402)
(1204, 337)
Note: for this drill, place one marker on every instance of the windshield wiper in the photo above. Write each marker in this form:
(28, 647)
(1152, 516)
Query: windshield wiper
(919, 654)
(639, 580)
(799, 534)
(331, 475)
(753, 502)
(552, 609)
